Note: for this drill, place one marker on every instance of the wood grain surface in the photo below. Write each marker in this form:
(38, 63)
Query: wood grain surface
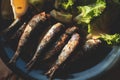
(7, 74)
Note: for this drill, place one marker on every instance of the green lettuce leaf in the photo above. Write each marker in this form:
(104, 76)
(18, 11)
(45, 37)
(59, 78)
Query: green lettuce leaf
(111, 39)
(88, 12)
(64, 4)
(68, 4)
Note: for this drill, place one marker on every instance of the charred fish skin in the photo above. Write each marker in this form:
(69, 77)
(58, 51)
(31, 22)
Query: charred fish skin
(24, 20)
(56, 28)
(37, 19)
(61, 42)
(65, 53)
(71, 30)
(19, 32)
(58, 45)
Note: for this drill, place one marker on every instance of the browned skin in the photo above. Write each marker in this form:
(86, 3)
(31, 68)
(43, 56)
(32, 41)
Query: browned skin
(19, 31)
(39, 18)
(91, 43)
(65, 53)
(61, 42)
(45, 41)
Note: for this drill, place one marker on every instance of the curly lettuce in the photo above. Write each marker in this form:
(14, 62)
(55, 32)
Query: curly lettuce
(67, 4)
(88, 12)
(111, 39)
(64, 4)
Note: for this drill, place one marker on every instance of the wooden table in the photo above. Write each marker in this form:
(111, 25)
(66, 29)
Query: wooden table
(7, 74)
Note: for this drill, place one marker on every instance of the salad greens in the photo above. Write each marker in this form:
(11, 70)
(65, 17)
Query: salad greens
(64, 4)
(85, 13)
(82, 12)
(88, 12)
(111, 39)
(67, 4)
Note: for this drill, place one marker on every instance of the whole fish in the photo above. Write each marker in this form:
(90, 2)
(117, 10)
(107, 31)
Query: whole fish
(65, 53)
(45, 41)
(37, 19)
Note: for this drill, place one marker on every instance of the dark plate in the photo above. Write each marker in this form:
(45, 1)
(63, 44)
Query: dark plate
(109, 61)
